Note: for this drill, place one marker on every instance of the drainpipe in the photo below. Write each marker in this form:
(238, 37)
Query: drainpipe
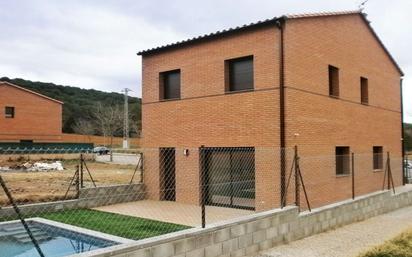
(403, 136)
(281, 25)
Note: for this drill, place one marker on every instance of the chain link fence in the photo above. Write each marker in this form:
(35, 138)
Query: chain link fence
(408, 168)
(80, 202)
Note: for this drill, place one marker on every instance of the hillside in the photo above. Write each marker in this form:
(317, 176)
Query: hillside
(77, 101)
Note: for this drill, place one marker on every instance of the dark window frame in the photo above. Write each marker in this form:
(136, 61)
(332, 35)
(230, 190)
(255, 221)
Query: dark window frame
(240, 168)
(165, 95)
(230, 86)
(342, 161)
(364, 89)
(9, 112)
(377, 158)
(333, 75)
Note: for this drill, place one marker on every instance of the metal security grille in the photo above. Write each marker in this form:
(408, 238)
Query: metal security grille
(229, 176)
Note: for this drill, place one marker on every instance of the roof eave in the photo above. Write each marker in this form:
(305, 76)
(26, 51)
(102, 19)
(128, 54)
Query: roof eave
(273, 21)
(210, 36)
(363, 15)
(31, 92)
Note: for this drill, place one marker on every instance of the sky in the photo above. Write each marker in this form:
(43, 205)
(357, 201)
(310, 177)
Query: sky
(93, 43)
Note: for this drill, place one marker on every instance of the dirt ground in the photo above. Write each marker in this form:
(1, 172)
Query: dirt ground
(29, 187)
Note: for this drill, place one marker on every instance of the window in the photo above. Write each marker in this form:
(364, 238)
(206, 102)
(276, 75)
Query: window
(229, 176)
(377, 157)
(9, 111)
(333, 81)
(364, 90)
(342, 160)
(170, 85)
(239, 74)
(26, 141)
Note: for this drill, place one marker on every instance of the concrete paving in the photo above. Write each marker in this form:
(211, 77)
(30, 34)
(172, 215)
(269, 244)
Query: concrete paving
(174, 212)
(350, 240)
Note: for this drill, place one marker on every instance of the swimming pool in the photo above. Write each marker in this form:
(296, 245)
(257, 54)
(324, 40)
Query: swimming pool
(55, 239)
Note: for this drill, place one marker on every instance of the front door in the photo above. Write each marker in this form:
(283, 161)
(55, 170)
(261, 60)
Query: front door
(167, 167)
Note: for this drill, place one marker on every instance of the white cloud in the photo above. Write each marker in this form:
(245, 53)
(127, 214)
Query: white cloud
(92, 48)
(93, 44)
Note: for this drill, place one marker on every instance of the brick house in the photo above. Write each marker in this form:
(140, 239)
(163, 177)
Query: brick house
(27, 116)
(322, 81)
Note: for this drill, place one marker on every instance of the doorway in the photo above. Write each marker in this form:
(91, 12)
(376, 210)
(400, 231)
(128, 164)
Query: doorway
(167, 165)
(230, 176)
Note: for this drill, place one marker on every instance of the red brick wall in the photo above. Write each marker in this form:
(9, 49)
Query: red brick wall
(207, 116)
(36, 118)
(323, 122)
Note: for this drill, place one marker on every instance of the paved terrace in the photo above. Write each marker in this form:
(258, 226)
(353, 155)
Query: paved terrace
(174, 212)
(185, 214)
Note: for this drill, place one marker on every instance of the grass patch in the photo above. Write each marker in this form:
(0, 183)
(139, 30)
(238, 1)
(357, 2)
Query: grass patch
(400, 246)
(114, 224)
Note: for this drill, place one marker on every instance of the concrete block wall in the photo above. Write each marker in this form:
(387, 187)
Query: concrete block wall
(247, 236)
(88, 198)
(113, 194)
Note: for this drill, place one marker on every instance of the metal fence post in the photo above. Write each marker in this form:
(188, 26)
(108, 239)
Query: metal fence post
(81, 171)
(283, 186)
(407, 176)
(77, 181)
(202, 185)
(297, 184)
(389, 170)
(141, 167)
(353, 176)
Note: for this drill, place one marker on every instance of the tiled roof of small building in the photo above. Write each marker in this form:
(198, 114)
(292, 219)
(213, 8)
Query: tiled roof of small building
(5, 83)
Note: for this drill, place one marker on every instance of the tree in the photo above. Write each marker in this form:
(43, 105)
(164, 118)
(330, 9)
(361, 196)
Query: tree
(109, 120)
(135, 127)
(84, 127)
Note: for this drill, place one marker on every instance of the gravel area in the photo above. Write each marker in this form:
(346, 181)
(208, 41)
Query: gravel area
(350, 240)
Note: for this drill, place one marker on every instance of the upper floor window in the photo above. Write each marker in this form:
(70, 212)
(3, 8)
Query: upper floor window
(364, 90)
(9, 112)
(239, 74)
(333, 81)
(169, 85)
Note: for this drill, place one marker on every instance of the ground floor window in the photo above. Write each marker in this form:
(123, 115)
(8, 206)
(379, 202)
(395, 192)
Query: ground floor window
(342, 160)
(377, 157)
(229, 176)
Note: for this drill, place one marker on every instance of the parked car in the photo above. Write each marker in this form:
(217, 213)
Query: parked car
(101, 150)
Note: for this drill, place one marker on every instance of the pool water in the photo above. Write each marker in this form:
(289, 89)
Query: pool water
(53, 241)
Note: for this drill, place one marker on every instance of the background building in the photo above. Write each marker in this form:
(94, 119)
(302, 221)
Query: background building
(27, 116)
